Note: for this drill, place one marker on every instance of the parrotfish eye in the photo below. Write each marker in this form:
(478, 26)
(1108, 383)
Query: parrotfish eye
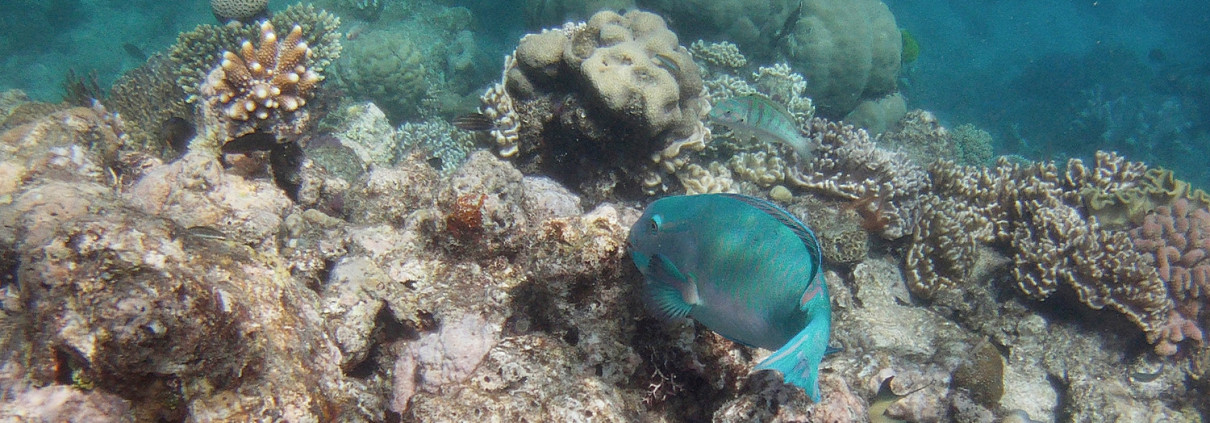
(654, 225)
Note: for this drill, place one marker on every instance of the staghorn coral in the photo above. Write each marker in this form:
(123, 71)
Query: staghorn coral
(849, 165)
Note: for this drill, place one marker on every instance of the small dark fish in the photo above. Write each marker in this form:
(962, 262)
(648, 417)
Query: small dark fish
(1156, 55)
(883, 400)
(474, 122)
(256, 141)
(134, 52)
(668, 62)
(206, 232)
(177, 132)
(787, 27)
(1148, 377)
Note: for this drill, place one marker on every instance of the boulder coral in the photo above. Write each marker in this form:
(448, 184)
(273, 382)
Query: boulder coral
(848, 50)
(598, 100)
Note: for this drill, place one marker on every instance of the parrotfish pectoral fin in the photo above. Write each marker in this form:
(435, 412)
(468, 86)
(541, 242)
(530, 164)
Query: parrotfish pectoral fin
(668, 290)
(798, 360)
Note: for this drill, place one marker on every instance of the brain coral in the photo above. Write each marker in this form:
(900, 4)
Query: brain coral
(238, 10)
(602, 100)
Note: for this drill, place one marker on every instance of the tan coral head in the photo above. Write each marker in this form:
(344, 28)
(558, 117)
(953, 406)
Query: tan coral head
(270, 76)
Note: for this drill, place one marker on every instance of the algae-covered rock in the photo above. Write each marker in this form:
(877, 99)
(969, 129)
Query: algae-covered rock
(983, 375)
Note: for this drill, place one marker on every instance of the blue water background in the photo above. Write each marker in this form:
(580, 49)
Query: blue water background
(1049, 79)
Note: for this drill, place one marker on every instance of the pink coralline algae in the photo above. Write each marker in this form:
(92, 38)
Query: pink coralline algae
(1178, 238)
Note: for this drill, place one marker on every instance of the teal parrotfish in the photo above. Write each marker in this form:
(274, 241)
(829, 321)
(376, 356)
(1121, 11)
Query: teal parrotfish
(743, 267)
(760, 117)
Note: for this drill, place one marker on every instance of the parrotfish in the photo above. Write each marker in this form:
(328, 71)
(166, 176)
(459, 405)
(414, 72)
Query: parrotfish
(744, 268)
(760, 117)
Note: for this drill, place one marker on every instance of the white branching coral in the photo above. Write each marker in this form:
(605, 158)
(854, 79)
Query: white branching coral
(261, 79)
(785, 86)
(723, 54)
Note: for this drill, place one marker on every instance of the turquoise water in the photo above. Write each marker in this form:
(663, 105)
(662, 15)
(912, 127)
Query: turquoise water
(1049, 80)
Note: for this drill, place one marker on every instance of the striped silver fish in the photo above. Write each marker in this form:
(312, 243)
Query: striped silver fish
(757, 116)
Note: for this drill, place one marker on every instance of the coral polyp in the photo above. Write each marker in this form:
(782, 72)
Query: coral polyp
(270, 76)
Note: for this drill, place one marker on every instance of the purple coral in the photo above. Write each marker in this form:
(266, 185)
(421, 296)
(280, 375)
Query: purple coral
(1177, 238)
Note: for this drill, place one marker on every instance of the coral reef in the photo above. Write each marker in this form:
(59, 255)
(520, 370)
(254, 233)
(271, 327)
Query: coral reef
(203, 292)
(154, 82)
(262, 89)
(387, 68)
(598, 101)
(878, 115)
(1034, 214)
(263, 79)
(971, 146)
(850, 166)
(197, 52)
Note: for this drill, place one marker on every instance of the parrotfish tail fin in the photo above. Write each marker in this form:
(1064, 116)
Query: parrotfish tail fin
(668, 290)
(798, 360)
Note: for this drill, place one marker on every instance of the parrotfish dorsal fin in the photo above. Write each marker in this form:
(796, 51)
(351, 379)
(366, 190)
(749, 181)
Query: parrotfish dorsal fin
(668, 290)
(800, 229)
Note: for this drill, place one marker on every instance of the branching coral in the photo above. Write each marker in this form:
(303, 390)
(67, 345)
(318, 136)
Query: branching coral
(721, 55)
(196, 52)
(262, 79)
(263, 89)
